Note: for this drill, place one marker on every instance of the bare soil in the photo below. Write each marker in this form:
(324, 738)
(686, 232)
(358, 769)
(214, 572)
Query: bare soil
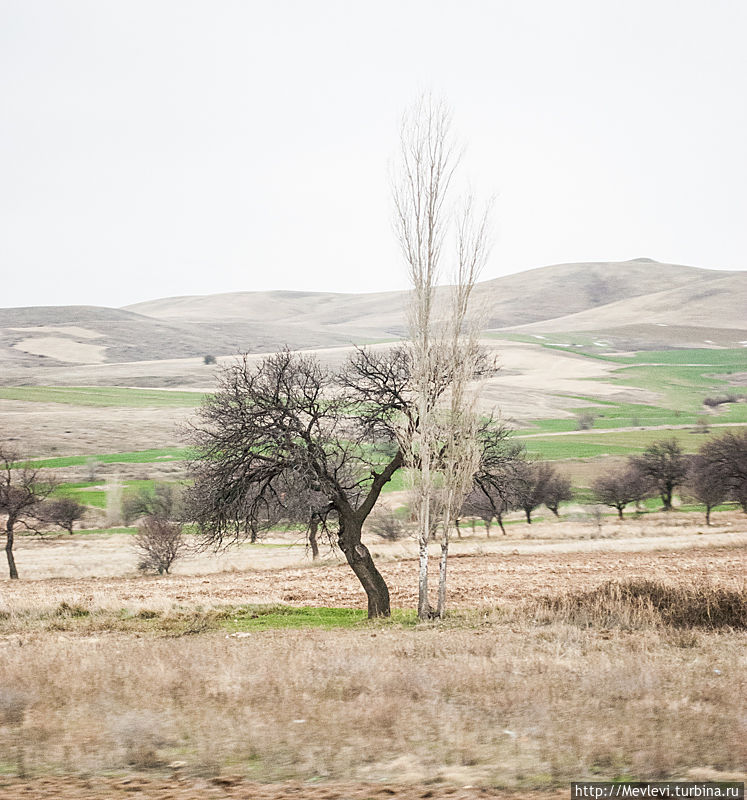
(474, 580)
(227, 787)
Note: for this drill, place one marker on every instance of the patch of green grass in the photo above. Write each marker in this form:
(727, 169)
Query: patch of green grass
(101, 396)
(260, 618)
(135, 457)
(90, 494)
(590, 445)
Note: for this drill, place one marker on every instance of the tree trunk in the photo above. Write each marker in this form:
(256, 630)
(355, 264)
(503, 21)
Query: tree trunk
(554, 510)
(441, 609)
(458, 529)
(313, 528)
(528, 512)
(9, 551)
(708, 515)
(424, 607)
(620, 511)
(362, 564)
(499, 517)
(487, 528)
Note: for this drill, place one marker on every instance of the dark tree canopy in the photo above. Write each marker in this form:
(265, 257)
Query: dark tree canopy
(665, 466)
(706, 484)
(726, 456)
(619, 487)
(289, 439)
(290, 423)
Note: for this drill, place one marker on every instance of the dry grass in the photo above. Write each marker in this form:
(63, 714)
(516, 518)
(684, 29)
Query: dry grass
(648, 603)
(500, 702)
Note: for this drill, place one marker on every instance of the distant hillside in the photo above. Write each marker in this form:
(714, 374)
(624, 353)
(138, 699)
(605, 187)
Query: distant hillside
(640, 294)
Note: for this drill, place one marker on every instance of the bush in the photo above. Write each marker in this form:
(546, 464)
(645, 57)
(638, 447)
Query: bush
(386, 525)
(159, 543)
(210, 360)
(585, 420)
(640, 603)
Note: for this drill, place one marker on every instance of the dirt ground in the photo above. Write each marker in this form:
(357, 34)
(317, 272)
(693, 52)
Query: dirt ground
(233, 788)
(489, 579)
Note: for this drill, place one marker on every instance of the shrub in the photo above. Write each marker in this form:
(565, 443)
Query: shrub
(640, 603)
(585, 420)
(210, 360)
(159, 542)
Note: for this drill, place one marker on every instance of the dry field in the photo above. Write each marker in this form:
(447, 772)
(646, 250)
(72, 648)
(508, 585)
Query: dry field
(134, 686)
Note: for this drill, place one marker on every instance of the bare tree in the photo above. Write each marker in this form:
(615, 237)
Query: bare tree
(531, 482)
(160, 542)
(557, 490)
(619, 487)
(705, 483)
(664, 464)
(427, 163)
(727, 456)
(23, 488)
(64, 512)
(442, 452)
(290, 421)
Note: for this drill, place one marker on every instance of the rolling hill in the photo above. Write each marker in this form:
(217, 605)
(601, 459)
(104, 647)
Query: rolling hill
(641, 298)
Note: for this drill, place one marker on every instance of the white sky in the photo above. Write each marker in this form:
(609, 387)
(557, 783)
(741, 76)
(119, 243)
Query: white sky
(152, 148)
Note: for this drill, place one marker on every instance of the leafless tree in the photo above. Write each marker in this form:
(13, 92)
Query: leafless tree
(23, 488)
(531, 482)
(427, 163)
(706, 484)
(159, 542)
(289, 421)
(619, 487)
(558, 489)
(726, 456)
(442, 453)
(664, 464)
(64, 512)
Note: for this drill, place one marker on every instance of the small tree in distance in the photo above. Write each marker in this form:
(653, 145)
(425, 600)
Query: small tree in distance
(23, 488)
(64, 513)
(557, 490)
(665, 466)
(705, 484)
(619, 487)
(159, 542)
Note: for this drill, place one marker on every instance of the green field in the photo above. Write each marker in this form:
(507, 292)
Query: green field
(104, 396)
(136, 457)
(590, 445)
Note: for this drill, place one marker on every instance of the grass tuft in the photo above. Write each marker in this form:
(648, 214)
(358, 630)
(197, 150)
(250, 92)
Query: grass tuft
(642, 603)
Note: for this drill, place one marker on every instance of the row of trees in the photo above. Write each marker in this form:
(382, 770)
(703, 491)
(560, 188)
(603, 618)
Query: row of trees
(717, 474)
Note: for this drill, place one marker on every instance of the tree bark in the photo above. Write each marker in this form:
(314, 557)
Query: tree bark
(441, 608)
(9, 551)
(620, 511)
(362, 564)
(528, 513)
(708, 515)
(313, 527)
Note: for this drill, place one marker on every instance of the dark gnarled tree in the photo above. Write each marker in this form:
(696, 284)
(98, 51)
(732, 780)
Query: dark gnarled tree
(289, 427)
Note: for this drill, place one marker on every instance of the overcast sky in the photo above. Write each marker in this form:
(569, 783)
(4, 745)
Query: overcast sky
(164, 147)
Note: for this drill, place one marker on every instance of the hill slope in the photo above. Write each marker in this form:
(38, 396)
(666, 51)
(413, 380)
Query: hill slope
(564, 297)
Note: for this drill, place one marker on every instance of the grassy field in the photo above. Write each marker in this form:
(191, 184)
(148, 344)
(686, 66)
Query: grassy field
(571, 683)
(101, 396)
(137, 457)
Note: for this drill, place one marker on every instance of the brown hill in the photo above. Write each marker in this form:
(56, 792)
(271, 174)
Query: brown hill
(638, 294)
